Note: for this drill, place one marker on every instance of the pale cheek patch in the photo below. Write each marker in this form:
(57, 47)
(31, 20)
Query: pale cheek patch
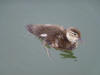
(75, 39)
(71, 38)
(43, 35)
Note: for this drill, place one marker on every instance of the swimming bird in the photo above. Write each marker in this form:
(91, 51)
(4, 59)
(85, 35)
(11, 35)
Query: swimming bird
(56, 36)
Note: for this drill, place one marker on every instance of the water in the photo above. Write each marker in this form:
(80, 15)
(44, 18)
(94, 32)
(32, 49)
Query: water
(22, 54)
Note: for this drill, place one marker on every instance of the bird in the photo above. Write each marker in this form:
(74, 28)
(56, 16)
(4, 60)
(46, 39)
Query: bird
(56, 36)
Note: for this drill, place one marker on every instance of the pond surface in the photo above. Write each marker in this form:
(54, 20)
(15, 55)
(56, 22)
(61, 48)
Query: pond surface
(21, 53)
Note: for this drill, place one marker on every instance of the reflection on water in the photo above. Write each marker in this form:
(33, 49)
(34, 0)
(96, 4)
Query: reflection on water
(68, 54)
(65, 53)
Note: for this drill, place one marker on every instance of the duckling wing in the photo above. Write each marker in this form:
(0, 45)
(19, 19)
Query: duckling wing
(45, 30)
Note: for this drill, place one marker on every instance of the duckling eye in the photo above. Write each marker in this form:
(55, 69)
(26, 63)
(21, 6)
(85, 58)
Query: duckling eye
(75, 34)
